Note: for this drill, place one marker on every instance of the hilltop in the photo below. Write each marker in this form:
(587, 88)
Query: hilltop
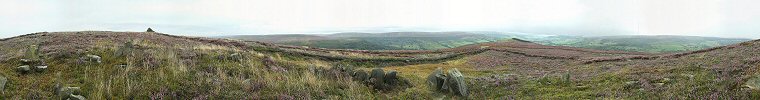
(149, 65)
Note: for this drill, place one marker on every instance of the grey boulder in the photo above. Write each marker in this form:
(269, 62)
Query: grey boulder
(360, 76)
(456, 83)
(436, 79)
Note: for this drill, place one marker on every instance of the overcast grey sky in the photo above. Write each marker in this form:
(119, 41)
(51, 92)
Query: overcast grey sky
(720, 18)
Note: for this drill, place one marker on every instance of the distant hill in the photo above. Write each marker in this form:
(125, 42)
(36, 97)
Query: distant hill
(441, 40)
(376, 41)
(277, 38)
(640, 43)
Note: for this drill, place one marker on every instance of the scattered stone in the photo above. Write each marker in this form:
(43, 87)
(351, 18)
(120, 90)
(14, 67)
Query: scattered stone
(76, 97)
(236, 57)
(94, 58)
(3, 80)
(125, 49)
(25, 61)
(67, 91)
(23, 69)
(40, 68)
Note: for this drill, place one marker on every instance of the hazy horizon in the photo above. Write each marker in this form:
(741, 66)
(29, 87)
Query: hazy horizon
(714, 18)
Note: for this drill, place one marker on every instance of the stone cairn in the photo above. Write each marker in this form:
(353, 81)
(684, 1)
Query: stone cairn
(32, 61)
(150, 30)
(451, 82)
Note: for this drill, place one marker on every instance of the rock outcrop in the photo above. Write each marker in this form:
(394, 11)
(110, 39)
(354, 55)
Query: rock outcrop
(451, 82)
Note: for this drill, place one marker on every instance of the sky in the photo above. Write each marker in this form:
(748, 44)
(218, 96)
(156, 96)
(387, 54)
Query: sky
(716, 18)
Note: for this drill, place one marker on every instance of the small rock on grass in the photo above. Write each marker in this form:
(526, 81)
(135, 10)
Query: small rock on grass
(76, 97)
(3, 80)
(40, 68)
(23, 69)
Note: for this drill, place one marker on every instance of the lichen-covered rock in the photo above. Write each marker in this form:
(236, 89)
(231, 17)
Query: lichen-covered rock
(435, 79)
(456, 82)
(391, 80)
(125, 49)
(23, 69)
(32, 52)
(376, 78)
(390, 77)
(360, 76)
(377, 73)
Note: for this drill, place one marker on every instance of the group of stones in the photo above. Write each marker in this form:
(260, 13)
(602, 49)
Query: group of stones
(451, 82)
(32, 59)
(380, 80)
(33, 62)
(69, 93)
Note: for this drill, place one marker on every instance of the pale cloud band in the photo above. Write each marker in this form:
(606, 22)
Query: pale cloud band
(721, 18)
